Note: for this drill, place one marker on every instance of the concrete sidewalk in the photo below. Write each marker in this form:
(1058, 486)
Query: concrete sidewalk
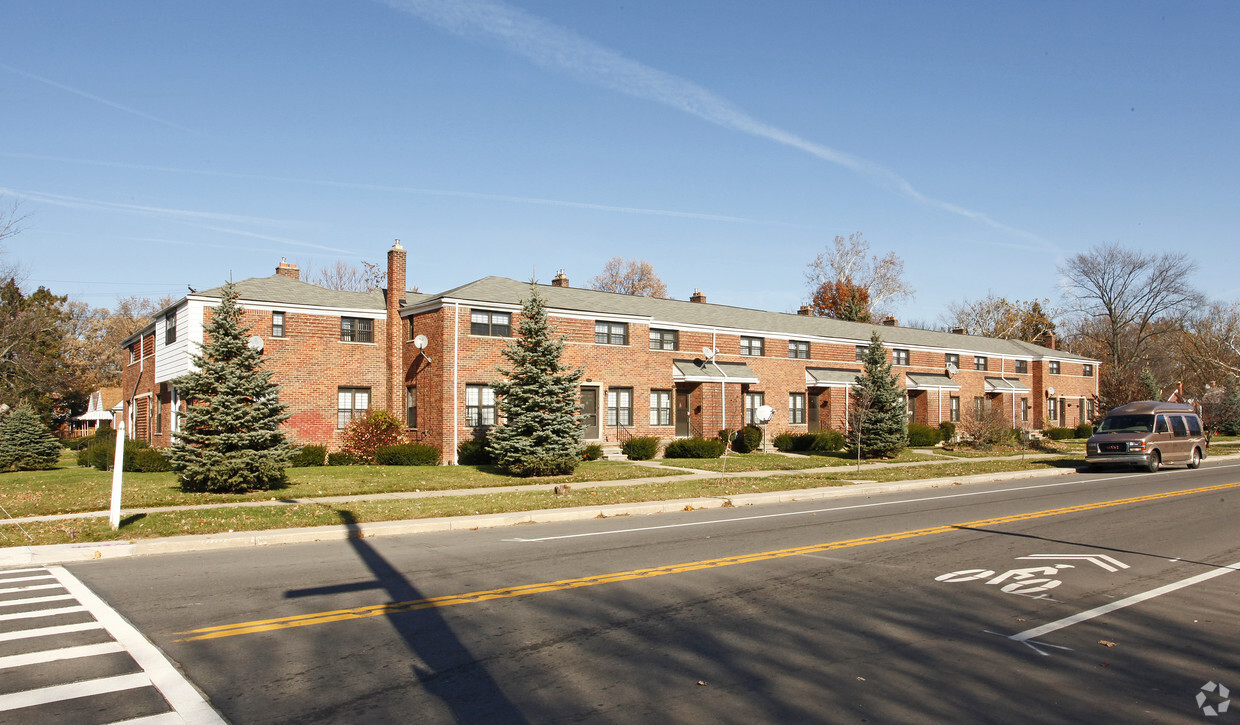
(68, 553)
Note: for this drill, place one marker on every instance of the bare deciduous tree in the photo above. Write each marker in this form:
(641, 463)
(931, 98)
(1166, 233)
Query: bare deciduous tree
(995, 316)
(345, 277)
(849, 262)
(629, 277)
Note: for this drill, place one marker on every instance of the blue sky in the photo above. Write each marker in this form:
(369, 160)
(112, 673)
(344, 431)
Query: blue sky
(156, 145)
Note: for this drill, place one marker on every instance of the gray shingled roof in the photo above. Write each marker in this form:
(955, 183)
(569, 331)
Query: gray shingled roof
(288, 291)
(501, 290)
(699, 369)
(918, 381)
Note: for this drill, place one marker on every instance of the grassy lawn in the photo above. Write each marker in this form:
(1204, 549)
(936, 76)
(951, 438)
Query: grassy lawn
(71, 489)
(174, 523)
(773, 462)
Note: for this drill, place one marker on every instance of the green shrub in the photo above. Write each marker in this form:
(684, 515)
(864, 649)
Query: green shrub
(641, 448)
(1084, 430)
(785, 442)
(592, 452)
(149, 460)
(26, 444)
(77, 444)
(747, 439)
(827, 441)
(101, 453)
(473, 452)
(1059, 434)
(307, 456)
(342, 458)
(696, 447)
(921, 435)
(407, 454)
(947, 431)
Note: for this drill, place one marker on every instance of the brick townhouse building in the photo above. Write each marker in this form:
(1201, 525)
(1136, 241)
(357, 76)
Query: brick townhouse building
(670, 368)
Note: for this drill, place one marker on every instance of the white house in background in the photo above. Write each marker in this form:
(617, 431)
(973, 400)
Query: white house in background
(105, 405)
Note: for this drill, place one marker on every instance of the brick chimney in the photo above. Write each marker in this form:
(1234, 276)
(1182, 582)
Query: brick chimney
(560, 280)
(957, 330)
(284, 269)
(1049, 341)
(889, 322)
(395, 337)
(804, 311)
(697, 296)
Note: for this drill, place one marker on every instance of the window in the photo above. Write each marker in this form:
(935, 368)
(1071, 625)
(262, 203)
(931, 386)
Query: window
(411, 406)
(133, 353)
(170, 327)
(664, 339)
(277, 324)
(660, 407)
(1087, 370)
(1022, 366)
(479, 406)
(753, 401)
(357, 329)
(1194, 424)
(1053, 367)
(899, 357)
(954, 409)
(619, 406)
(1178, 429)
(159, 415)
(351, 403)
(979, 407)
(796, 408)
(751, 346)
(861, 353)
(1024, 410)
(1160, 425)
(611, 333)
(1050, 409)
(979, 363)
(490, 324)
(951, 358)
(798, 349)
(174, 410)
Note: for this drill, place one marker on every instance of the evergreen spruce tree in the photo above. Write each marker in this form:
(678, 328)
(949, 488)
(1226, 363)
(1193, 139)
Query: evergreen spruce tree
(881, 420)
(26, 444)
(229, 439)
(537, 401)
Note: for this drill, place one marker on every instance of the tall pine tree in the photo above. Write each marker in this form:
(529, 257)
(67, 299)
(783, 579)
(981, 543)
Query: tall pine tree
(537, 401)
(881, 423)
(229, 439)
(25, 442)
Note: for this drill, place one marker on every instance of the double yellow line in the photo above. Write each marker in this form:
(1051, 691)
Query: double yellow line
(377, 610)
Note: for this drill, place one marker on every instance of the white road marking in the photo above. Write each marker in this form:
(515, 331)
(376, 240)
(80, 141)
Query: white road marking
(1108, 563)
(29, 588)
(56, 693)
(10, 580)
(1135, 599)
(56, 655)
(49, 631)
(184, 698)
(41, 613)
(35, 600)
(833, 509)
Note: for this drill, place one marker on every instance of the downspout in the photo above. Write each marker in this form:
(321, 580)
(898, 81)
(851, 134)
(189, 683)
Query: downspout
(723, 396)
(456, 393)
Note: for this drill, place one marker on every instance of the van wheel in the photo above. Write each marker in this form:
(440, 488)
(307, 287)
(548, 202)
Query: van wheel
(1154, 462)
(1195, 461)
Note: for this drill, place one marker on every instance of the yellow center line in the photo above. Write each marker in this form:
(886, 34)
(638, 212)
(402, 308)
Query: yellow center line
(376, 610)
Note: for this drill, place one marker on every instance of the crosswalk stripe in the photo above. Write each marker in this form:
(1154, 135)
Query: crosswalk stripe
(41, 613)
(35, 600)
(29, 588)
(163, 718)
(22, 571)
(56, 655)
(48, 631)
(10, 580)
(55, 693)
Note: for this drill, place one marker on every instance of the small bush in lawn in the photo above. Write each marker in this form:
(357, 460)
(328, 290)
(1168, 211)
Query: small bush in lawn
(407, 454)
(785, 442)
(921, 435)
(947, 431)
(150, 460)
(827, 441)
(371, 432)
(26, 444)
(77, 444)
(747, 439)
(342, 458)
(101, 453)
(694, 448)
(307, 456)
(1084, 430)
(641, 448)
(592, 452)
(473, 452)
(1059, 434)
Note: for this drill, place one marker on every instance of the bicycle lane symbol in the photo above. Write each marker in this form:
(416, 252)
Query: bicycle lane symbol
(1029, 581)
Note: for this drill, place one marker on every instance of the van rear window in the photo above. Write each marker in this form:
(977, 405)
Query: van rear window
(1194, 425)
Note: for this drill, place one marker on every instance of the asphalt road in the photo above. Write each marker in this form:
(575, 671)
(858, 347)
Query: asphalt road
(853, 610)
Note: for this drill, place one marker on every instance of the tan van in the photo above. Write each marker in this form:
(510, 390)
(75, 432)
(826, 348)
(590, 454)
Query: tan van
(1148, 434)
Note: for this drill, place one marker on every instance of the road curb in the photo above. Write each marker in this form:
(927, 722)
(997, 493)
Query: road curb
(74, 553)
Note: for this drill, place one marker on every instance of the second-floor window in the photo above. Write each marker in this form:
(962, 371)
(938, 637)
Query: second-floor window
(1087, 370)
(861, 353)
(1022, 366)
(952, 358)
(899, 357)
(170, 327)
(751, 346)
(277, 324)
(798, 349)
(979, 363)
(357, 329)
(611, 333)
(1053, 367)
(490, 324)
(664, 339)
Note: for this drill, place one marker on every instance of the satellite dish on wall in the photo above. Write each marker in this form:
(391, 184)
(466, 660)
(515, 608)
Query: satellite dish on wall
(708, 353)
(255, 343)
(420, 342)
(1050, 392)
(764, 413)
(952, 369)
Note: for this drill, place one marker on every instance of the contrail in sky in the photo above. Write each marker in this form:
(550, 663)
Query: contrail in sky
(97, 99)
(560, 49)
